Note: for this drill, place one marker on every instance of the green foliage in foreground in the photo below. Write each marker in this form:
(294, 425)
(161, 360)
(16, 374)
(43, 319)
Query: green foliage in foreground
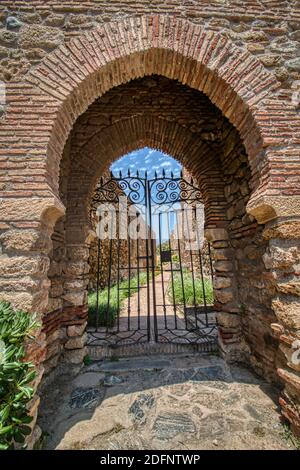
(16, 376)
(188, 292)
(108, 312)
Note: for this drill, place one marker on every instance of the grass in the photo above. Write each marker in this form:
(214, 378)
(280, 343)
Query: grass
(107, 314)
(290, 437)
(87, 360)
(187, 291)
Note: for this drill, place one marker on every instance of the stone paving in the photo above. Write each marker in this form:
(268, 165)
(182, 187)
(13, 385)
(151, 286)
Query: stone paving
(162, 402)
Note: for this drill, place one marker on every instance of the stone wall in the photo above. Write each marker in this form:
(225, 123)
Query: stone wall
(269, 30)
(58, 58)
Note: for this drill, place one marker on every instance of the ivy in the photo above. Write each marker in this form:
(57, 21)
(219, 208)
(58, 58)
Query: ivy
(16, 376)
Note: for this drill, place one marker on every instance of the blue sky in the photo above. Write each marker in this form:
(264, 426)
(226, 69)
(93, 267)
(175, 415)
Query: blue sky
(146, 159)
(149, 160)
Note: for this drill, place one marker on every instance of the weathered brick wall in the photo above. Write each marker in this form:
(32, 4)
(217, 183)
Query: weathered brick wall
(57, 58)
(268, 29)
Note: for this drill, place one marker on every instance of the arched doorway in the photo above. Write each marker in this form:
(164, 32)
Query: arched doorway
(165, 114)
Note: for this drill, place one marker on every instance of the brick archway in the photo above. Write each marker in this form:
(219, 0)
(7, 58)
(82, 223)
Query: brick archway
(87, 166)
(69, 79)
(75, 74)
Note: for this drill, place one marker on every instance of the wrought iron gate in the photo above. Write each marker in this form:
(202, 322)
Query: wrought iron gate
(157, 283)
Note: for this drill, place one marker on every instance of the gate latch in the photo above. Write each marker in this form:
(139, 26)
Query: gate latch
(165, 256)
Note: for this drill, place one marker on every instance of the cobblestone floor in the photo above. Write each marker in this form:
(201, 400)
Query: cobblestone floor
(162, 402)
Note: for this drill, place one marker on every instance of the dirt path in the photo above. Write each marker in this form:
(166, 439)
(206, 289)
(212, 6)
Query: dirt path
(162, 402)
(134, 321)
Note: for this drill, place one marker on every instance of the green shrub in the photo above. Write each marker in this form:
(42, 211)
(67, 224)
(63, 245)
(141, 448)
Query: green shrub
(15, 376)
(190, 289)
(107, 314)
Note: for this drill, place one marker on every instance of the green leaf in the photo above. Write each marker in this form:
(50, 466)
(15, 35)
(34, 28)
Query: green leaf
(4, 446)
(29, 377)
(28, 391)
(4, 413)
(2, 352)
(19, 437)
(25, 430)
(15, 375)
(6, 429)
(26, 419)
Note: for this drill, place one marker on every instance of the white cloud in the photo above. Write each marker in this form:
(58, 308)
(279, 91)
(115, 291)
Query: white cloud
(145, 159)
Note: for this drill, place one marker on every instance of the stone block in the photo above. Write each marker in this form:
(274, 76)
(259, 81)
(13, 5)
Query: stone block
(224, 296)
(75, 298)
(222, 282)
(75, 356)
(223, 266)
(216, 234)
(289, 288)
(222, 254)
(24, 265)
(41, 36)
(288, 312)
(76, 342)
(76, 330)
(228, 320)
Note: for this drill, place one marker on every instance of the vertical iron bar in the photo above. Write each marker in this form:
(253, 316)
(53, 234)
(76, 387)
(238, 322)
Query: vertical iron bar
(147, 259)
(98, 286)
(162, 270)
(180, 268)
(129, 275)
(172, 273)
(192, 264)
(152, 265)
(118, 277)
(138, 282)
(109, 281)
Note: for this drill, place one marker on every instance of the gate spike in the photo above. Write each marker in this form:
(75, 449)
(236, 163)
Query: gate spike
(111, 174)
(181, 173)
(172, 174)
(137, 173)
(128, 172)
(155, 174)
(192, 181)
(101, 181)
(146, 174)
(163, 173)
(120, 174)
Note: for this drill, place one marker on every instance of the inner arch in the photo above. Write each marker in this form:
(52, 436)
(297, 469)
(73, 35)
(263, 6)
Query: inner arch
(166, 115)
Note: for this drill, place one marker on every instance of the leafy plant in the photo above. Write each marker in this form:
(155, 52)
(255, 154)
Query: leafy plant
(16, 375)
(242, 309)
(87, 360)
(290, 437)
